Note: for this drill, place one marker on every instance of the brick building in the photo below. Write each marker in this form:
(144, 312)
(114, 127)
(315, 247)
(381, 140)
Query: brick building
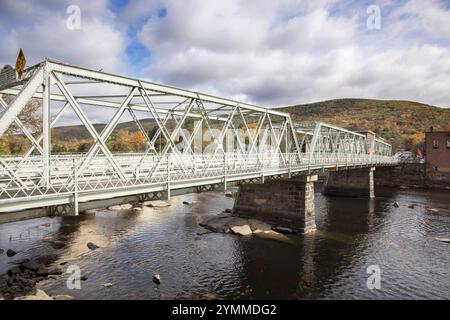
(437, 151)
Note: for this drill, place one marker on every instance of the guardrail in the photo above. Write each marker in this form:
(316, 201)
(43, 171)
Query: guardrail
(22, 178)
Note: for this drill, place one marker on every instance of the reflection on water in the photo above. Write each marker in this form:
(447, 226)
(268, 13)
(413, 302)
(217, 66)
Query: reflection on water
(329, 264)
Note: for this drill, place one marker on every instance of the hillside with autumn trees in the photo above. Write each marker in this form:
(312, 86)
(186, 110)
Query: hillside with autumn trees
(401, 123)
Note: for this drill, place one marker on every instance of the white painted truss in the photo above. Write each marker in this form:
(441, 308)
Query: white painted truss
(198, 140)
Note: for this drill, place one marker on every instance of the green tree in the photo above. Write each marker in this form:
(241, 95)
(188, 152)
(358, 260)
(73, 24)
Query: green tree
(60, 148)
(4, 146)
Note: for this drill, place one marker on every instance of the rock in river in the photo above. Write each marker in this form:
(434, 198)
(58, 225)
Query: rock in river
(31, 265)
(1, 251)
(396, 204)
(157, 278)
(283, 230)
(54, 270)
(156, 204)
(11, 253)
(89, 212)
(114, 208)
(242, 230)
(92, 246)
(446, 240)
(259, 226)
(108, 285)
(62, 297)
(39, 295)
(126, 206)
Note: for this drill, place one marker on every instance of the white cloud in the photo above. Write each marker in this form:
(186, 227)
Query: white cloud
(285, 53)
(42, 32)
(422, 17)
(263, 51)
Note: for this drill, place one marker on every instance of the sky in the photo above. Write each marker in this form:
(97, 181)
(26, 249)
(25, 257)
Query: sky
(270, 53)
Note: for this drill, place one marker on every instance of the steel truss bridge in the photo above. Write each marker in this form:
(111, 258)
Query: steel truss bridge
(244, 141)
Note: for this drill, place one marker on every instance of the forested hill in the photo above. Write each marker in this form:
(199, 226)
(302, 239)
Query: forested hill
(401, 123)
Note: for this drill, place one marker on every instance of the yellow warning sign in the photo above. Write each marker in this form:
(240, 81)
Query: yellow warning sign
(20, 63)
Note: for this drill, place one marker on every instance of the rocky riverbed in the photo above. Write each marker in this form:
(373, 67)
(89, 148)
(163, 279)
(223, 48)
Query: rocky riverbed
(227, 223)
(23, 278)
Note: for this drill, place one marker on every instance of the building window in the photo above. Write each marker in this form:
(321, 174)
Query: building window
(435, 144)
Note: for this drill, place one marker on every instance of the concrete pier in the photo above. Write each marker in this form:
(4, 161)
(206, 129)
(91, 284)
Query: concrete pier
(350, 183)
(286, 203)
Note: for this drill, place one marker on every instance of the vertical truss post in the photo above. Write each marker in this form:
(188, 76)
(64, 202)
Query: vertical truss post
(168, 176)
(262, 169)
(75, 193)
(289, 165)
(46, 142)
(314, 141)
(224, 171)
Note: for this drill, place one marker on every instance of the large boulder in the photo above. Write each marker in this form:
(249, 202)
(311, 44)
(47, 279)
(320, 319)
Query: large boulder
(283, 230)
(259, 226)
(31, 265)
(242, 230)
(39, 295)
(270, 234)
(156, 204)
(217, 224)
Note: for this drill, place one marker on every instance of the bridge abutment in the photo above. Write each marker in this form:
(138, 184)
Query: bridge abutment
(350, 183)
(285, 203)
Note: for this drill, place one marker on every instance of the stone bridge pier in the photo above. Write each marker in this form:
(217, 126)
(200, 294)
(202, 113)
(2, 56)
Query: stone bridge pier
(290, 202)
(350, 183)
(285, 203)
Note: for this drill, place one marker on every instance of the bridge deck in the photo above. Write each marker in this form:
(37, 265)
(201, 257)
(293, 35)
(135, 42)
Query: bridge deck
(22, 184)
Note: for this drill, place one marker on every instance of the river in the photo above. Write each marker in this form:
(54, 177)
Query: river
(331, 263)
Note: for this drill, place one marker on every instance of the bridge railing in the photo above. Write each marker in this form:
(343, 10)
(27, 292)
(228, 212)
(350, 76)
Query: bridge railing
(24, 177)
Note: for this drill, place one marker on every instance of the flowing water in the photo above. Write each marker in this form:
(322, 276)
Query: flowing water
(328, 264)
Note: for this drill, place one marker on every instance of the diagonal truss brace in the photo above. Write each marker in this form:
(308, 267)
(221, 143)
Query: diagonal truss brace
(89, 126)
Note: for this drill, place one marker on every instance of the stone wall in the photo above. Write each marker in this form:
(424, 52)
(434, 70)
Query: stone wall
(437, 179)
(286, 203)
(411, 175)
